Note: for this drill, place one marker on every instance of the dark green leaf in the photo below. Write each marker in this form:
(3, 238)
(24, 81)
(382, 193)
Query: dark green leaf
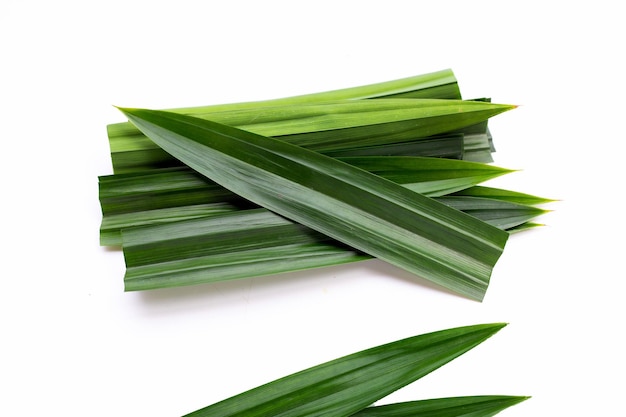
(123, 197)
(334, 127)
(505, 195)
(344, 386)
(478, 406)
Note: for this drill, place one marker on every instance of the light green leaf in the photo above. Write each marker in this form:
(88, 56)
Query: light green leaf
(437, 85)
(324, 127)
(357, 208)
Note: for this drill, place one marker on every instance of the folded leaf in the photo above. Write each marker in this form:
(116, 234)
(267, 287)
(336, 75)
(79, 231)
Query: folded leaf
(249, 243)
(344, 386)
(357, 208)
(478, 406)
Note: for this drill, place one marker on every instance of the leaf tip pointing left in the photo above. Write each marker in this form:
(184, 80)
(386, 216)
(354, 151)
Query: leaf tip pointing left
(125, 110)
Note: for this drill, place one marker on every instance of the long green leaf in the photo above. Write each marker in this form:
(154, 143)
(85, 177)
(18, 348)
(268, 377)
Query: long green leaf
(447, 145)
(252, 243)
(324, 127)
(475, 406)
(438, 85)
(500, 213)
(142, 198)
(176, 187)
(525, 226)
(113, 224)
(355, 207)
(344, 386)
(504, 195)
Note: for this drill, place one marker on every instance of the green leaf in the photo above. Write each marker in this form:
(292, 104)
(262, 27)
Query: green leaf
(112, 224)
(325, 127)
(437, 85)
(500, 213)
(142, 198)
(448, 145)
(245, 244)
(344, 386)
(504, 195)
(219, 248)
(357, 208)
(475, 406)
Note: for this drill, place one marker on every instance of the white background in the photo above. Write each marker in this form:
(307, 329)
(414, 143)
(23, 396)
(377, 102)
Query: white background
(72, 343)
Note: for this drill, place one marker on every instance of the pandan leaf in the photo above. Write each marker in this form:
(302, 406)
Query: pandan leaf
(324, 127)
(500, 213)
(142, 198)
(524, 226)
(250, 243)
(438, 85)
(344, 386)
(500, 194)
(112, 224)
(357, 208)
(191, 258)
(475, 406)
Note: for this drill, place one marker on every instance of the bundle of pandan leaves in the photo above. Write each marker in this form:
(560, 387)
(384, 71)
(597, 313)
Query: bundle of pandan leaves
(389, 171)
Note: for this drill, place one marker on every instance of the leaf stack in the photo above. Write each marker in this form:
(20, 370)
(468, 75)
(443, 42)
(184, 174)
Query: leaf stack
(388, 171)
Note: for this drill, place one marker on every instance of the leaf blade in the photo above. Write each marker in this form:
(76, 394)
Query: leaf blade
(124, 196)
(241, 244)
(475, 406)
(343, 386)
(326, 127)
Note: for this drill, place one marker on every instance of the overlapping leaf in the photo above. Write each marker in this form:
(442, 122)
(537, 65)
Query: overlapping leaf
(151, 197)
(131, 152)
(476, 406)
(329, 127)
